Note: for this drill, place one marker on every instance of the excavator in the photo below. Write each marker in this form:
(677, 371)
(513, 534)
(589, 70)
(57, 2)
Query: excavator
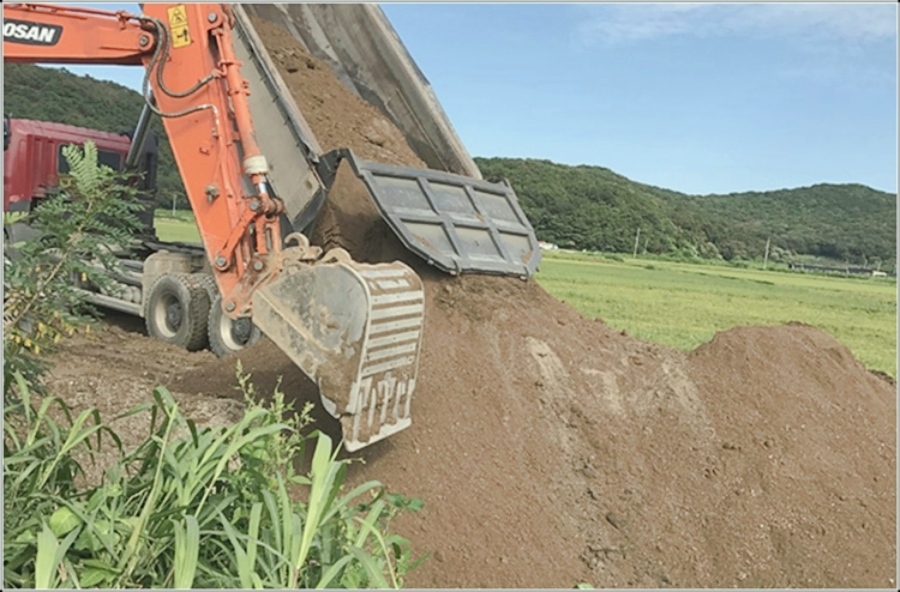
(354, 328)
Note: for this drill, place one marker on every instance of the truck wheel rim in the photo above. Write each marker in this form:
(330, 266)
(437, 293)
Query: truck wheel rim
(235, 334)
(168, 315)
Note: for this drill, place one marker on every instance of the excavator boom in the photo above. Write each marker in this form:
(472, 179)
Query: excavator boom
(44, 33)
(197, 89)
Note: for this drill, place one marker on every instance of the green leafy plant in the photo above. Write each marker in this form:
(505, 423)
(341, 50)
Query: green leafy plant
(78, 232)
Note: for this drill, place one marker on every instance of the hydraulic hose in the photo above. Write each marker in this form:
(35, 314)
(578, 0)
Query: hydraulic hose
(160, 53)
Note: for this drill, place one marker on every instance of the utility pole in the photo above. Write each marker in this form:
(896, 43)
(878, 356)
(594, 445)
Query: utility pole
(637, 239)
(766, 260)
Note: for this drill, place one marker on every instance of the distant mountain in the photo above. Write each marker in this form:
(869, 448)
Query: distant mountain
(592, 207)
(587, 207)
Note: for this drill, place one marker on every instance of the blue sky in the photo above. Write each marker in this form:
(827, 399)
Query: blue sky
(700, 98)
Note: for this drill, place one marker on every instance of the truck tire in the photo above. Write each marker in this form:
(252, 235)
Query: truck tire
(226, 335)
(209, 284)
(176, 311)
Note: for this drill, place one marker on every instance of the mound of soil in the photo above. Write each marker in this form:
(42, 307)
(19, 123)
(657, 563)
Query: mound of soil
(551, 450)
(810, 458)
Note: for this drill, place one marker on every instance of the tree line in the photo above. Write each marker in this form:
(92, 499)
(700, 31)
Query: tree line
(591, 207)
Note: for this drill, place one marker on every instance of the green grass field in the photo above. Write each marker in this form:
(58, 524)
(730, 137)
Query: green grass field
(683, 304)
(180, 228)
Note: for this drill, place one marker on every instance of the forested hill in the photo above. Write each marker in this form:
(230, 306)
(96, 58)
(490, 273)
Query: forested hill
(586, 207)
(592, 207)
(849, 222)
(50, 94)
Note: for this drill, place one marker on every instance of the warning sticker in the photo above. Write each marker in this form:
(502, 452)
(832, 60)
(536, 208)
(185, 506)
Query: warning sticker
(178, 26)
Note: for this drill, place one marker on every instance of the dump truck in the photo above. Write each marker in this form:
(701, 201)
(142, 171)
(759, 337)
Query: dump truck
(256, 178)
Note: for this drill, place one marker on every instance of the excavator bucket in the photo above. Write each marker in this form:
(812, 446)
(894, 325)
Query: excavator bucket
(356, 330)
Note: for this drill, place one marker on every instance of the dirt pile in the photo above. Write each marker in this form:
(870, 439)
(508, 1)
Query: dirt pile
(551, 449)
(811, 456)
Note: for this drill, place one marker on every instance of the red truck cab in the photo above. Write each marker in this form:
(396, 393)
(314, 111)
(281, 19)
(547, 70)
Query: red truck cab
(33, 160)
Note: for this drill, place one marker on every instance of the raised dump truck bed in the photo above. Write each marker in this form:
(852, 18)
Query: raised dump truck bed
(364, 51)
(446, 214)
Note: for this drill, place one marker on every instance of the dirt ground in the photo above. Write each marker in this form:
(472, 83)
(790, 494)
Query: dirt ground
(551, 449)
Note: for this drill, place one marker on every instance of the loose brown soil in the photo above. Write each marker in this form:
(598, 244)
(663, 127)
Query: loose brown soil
(552, 450)
(337, 116)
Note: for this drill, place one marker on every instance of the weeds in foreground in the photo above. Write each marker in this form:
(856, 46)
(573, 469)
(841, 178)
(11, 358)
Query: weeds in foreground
(191, 507)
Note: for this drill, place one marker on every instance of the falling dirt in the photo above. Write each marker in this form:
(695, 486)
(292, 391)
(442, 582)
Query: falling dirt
(552, 450)
(337, 116)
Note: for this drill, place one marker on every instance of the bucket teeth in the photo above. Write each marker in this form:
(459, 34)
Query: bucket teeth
(356, 330)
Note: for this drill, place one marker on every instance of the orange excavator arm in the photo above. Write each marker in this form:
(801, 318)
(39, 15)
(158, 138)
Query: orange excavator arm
(198, 91)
